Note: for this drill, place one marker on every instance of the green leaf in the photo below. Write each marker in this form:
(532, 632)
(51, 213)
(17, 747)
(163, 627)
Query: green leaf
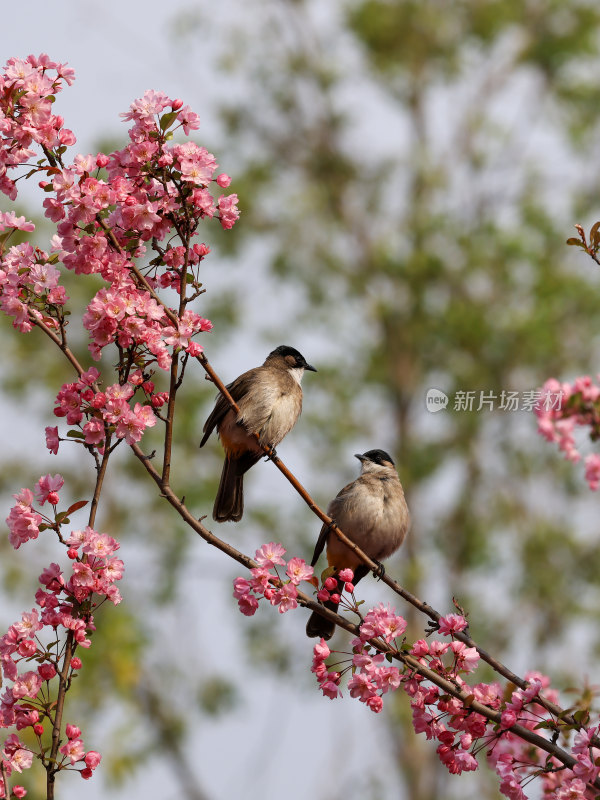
(573, 240)
(167, 120)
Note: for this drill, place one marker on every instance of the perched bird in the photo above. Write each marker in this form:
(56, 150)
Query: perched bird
(269, 399)
(373, 513)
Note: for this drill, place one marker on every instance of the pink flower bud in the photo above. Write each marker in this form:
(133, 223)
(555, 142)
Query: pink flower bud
(47, 671)
(27, 648)
(102, 160)
(330, 583)
(53, 498)
(38, 729)
(86, 773)
(19, 791)
(76, 663)
(335, 598)
(508, 718)
(72, 731)
(92, 759)
(349, 587)
(346, 575)
(223, 180)
(323, 595)
(176, 104)
(72, 553)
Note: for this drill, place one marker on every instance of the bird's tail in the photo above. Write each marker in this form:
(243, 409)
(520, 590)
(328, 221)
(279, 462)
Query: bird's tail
(229, 502)
(318, 627)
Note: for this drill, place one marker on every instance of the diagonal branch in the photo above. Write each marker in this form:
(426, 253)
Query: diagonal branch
(413, 663)
(420, 605)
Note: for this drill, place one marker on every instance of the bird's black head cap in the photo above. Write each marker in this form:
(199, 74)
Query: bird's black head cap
(377, 456)
(292, 356)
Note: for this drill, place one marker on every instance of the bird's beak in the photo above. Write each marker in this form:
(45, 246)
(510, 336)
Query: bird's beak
(360, 457)
(310, 368)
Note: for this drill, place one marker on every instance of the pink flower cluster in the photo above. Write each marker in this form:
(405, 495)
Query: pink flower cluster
(27, 91)
(562, 408)
(105, 411)
(108, 209)
(74, 752)
(29, 284)
(461, 732)
(268, 584)
(333, 587)
(63, 604)
(372, 676)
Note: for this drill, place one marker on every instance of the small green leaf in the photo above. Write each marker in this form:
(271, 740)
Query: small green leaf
(167, 120)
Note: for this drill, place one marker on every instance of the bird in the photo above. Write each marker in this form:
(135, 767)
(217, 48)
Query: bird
(269, 399)
(373, 513)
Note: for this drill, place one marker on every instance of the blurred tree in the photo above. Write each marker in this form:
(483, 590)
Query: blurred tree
(412, 170)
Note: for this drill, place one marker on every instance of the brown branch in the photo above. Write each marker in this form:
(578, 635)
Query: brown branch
(447, 686)
(409, 661)
(101, 472)
(51, 768)
(420, 605)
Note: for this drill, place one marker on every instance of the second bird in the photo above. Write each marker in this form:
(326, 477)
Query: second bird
(269, 399)
(373, 513)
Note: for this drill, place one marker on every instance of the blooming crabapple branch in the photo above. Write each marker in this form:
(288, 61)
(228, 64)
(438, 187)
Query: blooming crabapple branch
(464, 696)
(420, 605)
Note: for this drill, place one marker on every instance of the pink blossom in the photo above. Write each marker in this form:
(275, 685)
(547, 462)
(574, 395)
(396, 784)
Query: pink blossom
(382, 621)
(27, 685)
(572, 789)
(330, 689)
(74, 750)
(52, 440)
(72, 731)
(228, 210)
(285, 598)
(270, 554)
(23, 523)
(47, 671)
(92, 759)
(298, 570)
(17, 755)
(47, 486)
(248, 605)
(133, 423)
(451, 623)
(9, 219)
(30, 623)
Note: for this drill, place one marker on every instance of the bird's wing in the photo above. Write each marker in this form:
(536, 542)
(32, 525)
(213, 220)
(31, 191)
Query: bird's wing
(331, 511)
(237, 389)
